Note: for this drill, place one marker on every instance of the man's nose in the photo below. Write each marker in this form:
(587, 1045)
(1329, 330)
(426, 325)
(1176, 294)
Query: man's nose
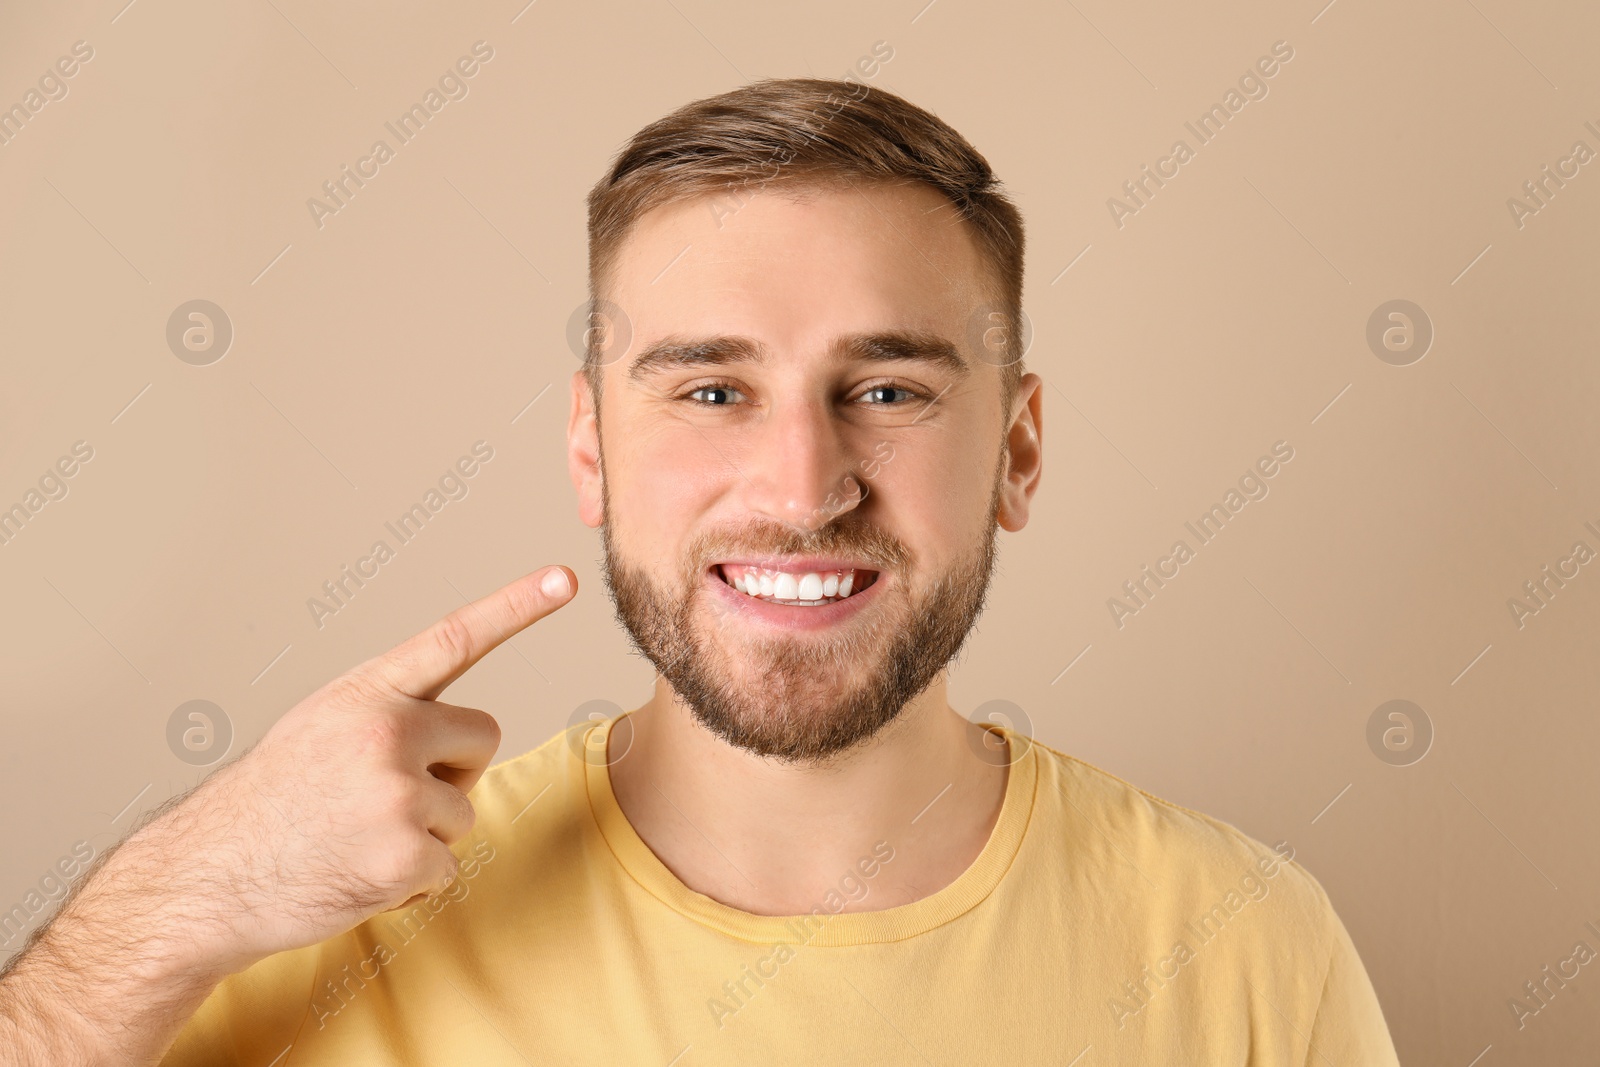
(799, 469)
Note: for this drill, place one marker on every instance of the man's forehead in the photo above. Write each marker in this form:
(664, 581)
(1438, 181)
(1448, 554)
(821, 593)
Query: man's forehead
(905, 233)
(853, 271)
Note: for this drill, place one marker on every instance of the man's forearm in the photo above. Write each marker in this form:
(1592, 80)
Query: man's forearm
(34, 1027)
(92, 991)
(113, 976)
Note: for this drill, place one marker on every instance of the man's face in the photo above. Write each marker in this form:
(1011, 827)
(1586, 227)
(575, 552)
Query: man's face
(803, 458)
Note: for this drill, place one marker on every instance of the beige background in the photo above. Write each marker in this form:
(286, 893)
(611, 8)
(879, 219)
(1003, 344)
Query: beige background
(1228, 314)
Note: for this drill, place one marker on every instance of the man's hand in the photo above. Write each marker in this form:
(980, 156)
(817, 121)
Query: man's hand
(348, 805)
(345, 808)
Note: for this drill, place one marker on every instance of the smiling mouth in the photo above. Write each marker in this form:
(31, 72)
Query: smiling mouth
(801, 589)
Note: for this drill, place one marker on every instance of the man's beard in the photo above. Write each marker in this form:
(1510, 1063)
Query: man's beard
(810, 696)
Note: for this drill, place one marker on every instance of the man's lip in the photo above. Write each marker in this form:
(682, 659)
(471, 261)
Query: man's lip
(798, 564)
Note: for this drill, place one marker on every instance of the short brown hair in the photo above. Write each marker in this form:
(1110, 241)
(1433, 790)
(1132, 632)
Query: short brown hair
(805, 132)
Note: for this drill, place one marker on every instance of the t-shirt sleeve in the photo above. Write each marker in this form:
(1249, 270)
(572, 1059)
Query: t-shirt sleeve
(1349, 1027)
(252, 1017)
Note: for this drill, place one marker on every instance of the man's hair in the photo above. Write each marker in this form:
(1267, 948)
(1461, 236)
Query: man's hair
(805, 133)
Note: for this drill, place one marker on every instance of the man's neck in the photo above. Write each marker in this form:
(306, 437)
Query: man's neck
(777, 839)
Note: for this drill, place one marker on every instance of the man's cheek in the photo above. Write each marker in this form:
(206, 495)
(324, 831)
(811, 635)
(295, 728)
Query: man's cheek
(677, 462)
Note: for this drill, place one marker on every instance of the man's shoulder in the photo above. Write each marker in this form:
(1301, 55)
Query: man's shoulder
(1158, 886)
(1192, 860)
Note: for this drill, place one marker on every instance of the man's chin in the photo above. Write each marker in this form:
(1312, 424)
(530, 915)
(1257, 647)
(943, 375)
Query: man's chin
(773, 699)
(796, 697)
(810, 729)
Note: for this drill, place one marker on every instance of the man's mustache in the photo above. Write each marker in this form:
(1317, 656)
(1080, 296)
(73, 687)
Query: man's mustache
(861, 541)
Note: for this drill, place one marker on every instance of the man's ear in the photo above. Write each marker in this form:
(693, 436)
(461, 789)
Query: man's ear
(1025, 447)
(583, 451)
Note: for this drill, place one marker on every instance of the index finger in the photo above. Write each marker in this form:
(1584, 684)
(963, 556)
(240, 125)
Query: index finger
(423, 666)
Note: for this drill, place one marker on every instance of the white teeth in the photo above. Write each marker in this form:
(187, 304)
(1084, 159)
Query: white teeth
(811, 588)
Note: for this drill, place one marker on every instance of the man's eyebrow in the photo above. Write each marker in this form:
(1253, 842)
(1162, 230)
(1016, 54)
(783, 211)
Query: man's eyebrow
(911, 345)
(883, 346)
(704, 352)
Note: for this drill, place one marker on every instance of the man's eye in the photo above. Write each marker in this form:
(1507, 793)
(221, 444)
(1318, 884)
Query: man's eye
(714, 395)
(883, 395)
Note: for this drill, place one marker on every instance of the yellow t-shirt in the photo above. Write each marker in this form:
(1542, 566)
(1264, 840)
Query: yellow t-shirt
(1099, 925)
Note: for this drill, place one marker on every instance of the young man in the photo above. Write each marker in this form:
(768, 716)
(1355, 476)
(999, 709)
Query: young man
(798, 441)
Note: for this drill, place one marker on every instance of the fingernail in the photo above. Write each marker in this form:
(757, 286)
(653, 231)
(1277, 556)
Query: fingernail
(555, 583)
